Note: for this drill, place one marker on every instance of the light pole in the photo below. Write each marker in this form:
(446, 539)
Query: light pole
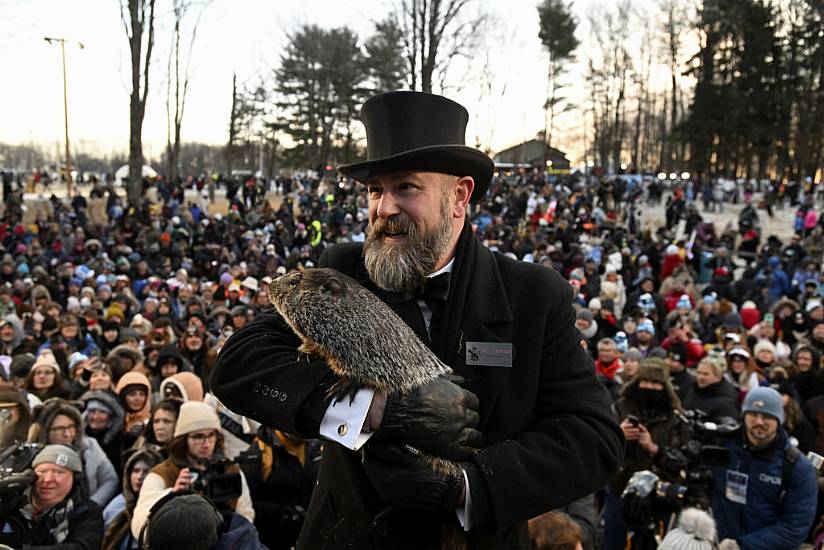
(62, 42)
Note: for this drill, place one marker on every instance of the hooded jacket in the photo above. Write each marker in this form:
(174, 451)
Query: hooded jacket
(101, 478)
(19, 334)
(117, 516)
(111, 438)
(134, 417)
(187, 383)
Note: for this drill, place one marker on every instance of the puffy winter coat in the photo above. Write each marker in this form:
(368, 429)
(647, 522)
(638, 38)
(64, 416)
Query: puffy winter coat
(757, 521)
(717, 400)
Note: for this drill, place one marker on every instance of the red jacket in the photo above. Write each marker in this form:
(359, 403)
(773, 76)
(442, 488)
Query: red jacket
(695, 349)
(608, 370)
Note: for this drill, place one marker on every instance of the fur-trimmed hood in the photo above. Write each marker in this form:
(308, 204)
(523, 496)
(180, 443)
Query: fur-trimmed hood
(110, 399)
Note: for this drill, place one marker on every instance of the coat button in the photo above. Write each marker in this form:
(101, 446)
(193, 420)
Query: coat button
(343, 429)
(282, 397)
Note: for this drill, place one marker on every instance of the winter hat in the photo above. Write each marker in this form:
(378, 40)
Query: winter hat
(60, 455)
(765, 345)
(750, 316)
(586, 315)
(632, 354)
(684, 302)
(671, 250)
(646, 301)
(695, 531)
(654, 370)
(709, 298)
(76, 358)
(595, 303)
(741, 352)
(226, 279)
(195, 416)
(764, 400)
(98, 405)
(732, 321)
(181, 520)
(646, 326)
(21, 364)
(46, 360)
(812, 304)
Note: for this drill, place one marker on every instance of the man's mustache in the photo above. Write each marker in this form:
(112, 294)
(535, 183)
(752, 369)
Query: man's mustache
(382, 226)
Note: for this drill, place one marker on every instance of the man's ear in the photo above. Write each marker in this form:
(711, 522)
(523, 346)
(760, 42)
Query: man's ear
(463, 192)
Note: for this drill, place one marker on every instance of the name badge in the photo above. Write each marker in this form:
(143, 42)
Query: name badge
(489, 354)
(736, 490)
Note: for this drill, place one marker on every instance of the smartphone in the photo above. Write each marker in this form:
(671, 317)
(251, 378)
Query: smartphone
(633, 420)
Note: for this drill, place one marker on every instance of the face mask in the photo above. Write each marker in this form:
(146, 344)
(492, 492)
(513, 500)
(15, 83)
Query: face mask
(653, 399)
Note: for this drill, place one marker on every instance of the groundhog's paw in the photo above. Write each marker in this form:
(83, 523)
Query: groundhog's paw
(343, 388)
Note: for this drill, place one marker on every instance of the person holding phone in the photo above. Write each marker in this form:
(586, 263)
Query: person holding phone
(646, 410)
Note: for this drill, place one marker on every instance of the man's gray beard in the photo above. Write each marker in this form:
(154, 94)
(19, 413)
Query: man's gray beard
(404, 266)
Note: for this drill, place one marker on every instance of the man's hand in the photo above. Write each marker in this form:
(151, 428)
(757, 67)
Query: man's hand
(640, 434)
(439, 417)
(407, 480)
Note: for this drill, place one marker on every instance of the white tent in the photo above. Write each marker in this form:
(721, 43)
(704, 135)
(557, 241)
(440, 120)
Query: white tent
(123, 173)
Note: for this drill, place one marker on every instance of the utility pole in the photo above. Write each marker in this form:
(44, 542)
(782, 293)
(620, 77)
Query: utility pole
(62, 42)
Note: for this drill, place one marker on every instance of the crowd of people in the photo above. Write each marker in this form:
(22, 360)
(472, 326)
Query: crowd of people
(111, 321)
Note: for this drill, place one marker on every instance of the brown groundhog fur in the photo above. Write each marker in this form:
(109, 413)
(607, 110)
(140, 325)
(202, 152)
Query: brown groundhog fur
(362, 340)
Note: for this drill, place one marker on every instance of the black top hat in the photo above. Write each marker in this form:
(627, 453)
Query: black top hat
(416, 131)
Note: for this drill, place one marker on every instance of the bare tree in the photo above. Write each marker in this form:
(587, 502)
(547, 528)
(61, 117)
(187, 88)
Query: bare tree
(138, 23)
(177, 82)
(434, 32)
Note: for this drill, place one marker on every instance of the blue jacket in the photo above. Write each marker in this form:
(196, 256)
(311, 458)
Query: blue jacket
(760, 524)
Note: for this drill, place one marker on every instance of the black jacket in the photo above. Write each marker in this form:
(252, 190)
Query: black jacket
(717, 400)
(549, 435)
(85, 528)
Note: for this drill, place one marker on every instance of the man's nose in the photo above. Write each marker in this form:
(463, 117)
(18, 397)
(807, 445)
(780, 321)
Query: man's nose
(387, 205)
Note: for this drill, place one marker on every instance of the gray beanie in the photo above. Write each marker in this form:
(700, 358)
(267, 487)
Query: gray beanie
(60, 455)
(695, 531)
(766, 401)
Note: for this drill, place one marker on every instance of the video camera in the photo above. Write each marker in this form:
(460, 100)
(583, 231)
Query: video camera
(16, 475)
(216, 484)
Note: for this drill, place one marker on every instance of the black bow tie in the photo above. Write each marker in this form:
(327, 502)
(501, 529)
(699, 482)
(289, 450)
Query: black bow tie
(435, 290)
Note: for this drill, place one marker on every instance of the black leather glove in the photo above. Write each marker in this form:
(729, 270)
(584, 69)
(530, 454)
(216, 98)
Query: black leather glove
(405, 479)
(439, 417)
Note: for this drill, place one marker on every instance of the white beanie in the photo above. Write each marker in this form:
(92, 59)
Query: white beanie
(46, 359)
(195, 416)
(765, 345)
(696, 531)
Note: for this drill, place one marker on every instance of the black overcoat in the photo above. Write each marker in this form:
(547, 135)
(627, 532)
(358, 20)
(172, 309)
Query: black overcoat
(549, 435)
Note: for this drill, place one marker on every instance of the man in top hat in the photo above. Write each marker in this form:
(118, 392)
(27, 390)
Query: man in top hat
(527, 395)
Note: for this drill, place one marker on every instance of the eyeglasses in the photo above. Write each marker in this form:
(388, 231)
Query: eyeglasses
(200, 438)
(62, 429)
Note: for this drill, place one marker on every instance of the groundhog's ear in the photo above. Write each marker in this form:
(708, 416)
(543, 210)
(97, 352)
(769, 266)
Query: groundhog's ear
(332, 286)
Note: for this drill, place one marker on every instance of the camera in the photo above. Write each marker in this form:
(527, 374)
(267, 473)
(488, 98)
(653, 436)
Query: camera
(16, 476)
(216, 484)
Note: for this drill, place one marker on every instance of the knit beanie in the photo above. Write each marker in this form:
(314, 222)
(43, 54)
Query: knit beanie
(21, 364)
(695, 531)
(46, 360)
(765, 345)
(766, 401)
(60, 455)
(181, 520)
(195, 416)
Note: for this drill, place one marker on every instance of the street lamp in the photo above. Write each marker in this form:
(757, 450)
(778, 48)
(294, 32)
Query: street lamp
(62, 42)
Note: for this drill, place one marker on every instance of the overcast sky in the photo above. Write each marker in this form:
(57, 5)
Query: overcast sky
(242, 36)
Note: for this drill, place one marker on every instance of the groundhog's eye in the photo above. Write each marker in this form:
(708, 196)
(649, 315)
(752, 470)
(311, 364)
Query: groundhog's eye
(332, 286)
(295, 281)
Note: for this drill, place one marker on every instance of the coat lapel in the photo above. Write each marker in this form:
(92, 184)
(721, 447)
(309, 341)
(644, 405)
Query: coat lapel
(479, 311)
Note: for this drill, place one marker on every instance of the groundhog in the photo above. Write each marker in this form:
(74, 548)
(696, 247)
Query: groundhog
(362, 340)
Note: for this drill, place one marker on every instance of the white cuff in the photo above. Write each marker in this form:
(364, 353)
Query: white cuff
(343, 421)
(463, 513)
